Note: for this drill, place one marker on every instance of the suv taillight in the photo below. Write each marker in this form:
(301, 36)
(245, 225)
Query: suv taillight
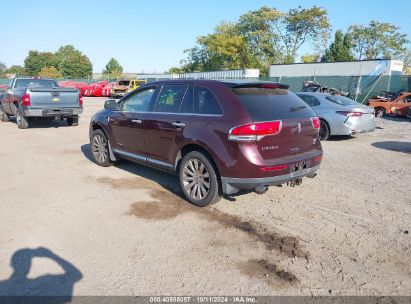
(315, 121)
(255, 131)
(80, 100)
(25, 100)
(350, 114)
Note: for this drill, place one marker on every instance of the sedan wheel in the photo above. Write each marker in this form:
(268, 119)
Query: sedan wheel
(324, 130)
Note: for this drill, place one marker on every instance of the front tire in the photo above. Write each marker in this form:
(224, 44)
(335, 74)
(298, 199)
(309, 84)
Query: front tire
(324, 130)
(100, 149)
(22, 122)
(380, 112)
(72, 121)
(199, 180)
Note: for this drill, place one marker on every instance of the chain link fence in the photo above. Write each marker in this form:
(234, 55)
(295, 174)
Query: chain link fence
(360, 87)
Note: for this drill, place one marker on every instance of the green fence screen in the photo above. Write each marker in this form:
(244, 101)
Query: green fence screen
(360, 87)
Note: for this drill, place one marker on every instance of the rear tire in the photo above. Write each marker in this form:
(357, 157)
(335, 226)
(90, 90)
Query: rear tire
(380, 112)
(100, 149)
(324, 130)
(199, 180)
(72, 121)
(3, 116)
(22, 122)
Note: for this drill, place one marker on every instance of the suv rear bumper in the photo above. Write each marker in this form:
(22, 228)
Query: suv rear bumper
(233, 185)
(52, 112)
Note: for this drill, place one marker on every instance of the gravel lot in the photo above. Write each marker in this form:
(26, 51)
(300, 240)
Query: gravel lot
(125, 230)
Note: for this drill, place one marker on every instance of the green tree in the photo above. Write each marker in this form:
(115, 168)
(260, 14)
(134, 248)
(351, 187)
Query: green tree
(406, 58)
(256, 27)
(3, 69)
(378, 40)
(36, 60)
(258, 39)
(174, 70)
(113, 69)
(221, 50)
(277, 36)
(17, 70)
(340, 49)
(50, 72)
(309, 58)
(72, 64)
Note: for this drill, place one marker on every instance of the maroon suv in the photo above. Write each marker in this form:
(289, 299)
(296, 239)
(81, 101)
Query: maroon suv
(219, 136)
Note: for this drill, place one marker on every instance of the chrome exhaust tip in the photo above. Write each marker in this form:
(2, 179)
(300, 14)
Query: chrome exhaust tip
(312, 175)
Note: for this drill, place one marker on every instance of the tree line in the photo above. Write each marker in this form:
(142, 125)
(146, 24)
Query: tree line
(67, 62)
(268, 36)
(257, 39)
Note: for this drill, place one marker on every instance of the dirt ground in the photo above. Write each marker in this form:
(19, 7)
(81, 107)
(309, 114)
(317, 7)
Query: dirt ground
(68, 226)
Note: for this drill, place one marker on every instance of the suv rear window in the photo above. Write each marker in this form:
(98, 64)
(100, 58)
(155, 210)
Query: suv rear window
(266, 104)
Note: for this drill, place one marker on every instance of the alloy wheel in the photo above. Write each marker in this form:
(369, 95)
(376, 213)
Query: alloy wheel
(323, 131)
(196, 179)
(99, 148)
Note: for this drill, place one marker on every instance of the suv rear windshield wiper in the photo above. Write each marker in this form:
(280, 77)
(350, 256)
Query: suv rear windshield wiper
(296, 109)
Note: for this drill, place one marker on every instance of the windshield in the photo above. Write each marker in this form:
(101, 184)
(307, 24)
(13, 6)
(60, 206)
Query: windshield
(341, 100)
(35, 83)
(264, 104)
(124, 82)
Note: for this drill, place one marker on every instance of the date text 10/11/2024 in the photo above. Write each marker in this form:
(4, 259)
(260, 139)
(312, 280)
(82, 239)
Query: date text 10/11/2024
(202, 299)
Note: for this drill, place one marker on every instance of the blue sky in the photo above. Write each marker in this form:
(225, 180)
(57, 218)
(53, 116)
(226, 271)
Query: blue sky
(151, 36)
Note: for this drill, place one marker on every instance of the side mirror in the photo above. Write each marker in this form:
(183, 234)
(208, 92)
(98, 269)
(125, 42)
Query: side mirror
(111, 104)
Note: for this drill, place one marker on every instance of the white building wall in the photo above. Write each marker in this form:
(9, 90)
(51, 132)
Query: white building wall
(353, 68)
(236, 74)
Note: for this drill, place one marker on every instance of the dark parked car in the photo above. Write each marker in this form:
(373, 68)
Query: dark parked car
(219, 136)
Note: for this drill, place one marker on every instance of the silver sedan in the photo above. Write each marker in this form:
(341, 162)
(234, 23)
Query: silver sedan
(340, 115)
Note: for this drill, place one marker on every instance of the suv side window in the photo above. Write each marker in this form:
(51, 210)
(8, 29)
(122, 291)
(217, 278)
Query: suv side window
(170, 98)
(205, 102)
(139, 101)
(187, 104)
(310, 100)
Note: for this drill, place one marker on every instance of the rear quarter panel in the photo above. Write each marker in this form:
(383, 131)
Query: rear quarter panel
(381, 104)
(211, 131)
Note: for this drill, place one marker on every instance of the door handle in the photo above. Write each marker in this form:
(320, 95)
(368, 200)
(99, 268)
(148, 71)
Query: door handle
(137, 121)
(179, 124)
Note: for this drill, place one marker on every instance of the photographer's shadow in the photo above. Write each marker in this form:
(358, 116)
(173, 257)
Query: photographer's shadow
(46, 285)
